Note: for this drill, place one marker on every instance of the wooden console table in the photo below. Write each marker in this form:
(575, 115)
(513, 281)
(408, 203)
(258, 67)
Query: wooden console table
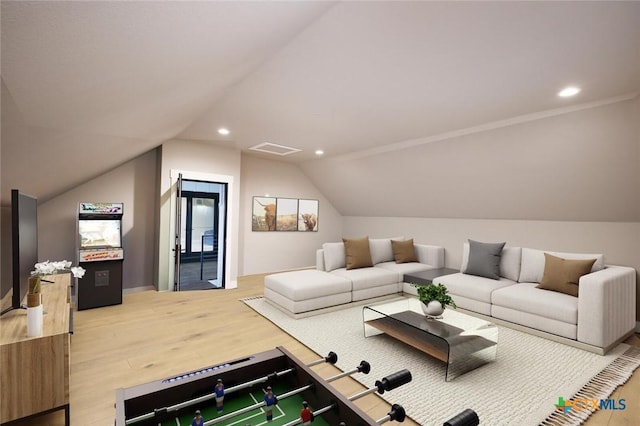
(35, 370)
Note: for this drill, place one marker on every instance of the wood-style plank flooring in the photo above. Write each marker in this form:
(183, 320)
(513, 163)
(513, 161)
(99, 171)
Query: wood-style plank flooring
(154, 335)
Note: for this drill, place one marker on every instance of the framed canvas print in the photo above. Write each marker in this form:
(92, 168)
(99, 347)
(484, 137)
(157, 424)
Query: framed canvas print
(286, 214)
(308, 215)
(263, 217)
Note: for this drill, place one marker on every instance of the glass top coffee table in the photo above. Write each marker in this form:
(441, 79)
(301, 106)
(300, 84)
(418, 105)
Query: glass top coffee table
(462, 341)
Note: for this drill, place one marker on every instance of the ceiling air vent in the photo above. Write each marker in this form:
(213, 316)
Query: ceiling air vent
(273, 148)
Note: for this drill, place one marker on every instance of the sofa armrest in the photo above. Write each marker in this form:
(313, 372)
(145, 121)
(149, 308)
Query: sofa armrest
(606, 305)
(320, 260)
(430, 255)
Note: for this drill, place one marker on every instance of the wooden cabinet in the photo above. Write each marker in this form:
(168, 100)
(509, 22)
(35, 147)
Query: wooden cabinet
(34, 376)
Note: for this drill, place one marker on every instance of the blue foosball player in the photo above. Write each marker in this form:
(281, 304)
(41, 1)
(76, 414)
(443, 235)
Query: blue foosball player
(197, 420)
(219, 391)
(270, 399)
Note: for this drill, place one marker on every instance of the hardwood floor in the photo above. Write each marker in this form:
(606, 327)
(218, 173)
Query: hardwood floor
(154, 335)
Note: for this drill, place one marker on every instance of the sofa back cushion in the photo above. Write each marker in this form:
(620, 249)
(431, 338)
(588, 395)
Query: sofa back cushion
(334, 257)
(381, 250)
(532, 265)
(509, 261)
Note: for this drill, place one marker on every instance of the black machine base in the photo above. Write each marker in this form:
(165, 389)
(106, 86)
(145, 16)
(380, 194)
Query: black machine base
(101, 284)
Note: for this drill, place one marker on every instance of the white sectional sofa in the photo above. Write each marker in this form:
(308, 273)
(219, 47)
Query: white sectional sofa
(331, 283)
(602, 314)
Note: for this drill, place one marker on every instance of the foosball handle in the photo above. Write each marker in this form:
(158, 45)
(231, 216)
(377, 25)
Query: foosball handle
(466, 418)
(397, 413)
(331, 358)
(393, 381)
(364, 367)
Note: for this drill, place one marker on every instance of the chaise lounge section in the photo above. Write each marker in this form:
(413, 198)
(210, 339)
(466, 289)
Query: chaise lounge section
(342, 275)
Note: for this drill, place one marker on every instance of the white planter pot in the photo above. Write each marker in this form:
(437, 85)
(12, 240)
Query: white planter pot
(433, 308)
(35, 320)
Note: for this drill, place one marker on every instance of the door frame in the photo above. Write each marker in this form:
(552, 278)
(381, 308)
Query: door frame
(230, 242)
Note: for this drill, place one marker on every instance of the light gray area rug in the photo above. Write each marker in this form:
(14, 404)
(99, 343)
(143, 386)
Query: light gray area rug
(519, 388)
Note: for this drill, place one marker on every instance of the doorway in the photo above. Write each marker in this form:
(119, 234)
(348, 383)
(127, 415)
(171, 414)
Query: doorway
(201, 230)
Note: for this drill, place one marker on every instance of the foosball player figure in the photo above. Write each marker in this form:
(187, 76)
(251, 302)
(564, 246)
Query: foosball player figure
(270, 400)
(219, 391)
(306, 416)
(197, 420)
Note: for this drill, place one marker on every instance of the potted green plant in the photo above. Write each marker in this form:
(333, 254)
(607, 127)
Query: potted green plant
(434, 298)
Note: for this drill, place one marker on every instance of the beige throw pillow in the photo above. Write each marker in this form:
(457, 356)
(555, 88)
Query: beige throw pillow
(563, 275)
(357, 253)
(403, 251)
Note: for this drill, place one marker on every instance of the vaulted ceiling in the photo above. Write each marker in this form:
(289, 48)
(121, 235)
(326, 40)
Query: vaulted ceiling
(87, 86)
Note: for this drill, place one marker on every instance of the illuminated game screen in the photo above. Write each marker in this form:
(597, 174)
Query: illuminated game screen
(99, 233)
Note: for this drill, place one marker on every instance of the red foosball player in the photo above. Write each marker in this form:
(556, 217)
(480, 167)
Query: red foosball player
(306, 416)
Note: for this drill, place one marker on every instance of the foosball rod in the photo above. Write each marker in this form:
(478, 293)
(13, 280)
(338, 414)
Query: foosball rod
(331, 358)
(254, 406)
(363, 368)
(209, 396)
(397, 414)
(386, 384)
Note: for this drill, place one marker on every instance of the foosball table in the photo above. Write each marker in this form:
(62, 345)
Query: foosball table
(271, 387)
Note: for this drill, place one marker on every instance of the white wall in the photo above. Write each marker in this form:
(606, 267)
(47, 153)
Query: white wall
(576, 166)
(618, 241)
(195, 158)
(133, 184)
(276, 251)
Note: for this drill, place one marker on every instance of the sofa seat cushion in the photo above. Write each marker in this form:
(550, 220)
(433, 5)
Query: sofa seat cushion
(306, 305)
(363, 278)
(306, 284)
(471, 286)
(548, 325)
(404, 268)
(525, 297)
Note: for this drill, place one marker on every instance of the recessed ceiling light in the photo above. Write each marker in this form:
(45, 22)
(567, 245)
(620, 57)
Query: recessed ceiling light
(319, 152)
(223, 131)
(569, 91)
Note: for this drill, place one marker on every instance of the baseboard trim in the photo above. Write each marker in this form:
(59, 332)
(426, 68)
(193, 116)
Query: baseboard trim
(137, 289)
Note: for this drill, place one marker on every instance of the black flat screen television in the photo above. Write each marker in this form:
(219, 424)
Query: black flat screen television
(24, 243)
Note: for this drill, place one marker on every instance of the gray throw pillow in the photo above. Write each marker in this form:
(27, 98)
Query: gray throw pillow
(484, 259)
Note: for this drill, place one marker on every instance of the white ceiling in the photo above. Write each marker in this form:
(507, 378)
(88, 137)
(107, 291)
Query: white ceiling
(111, 80)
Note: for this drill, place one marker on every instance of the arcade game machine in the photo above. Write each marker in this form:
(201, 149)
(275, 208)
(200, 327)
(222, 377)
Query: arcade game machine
(100, 253)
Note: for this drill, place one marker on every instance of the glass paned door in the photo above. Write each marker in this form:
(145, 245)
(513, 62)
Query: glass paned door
(202, 230)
